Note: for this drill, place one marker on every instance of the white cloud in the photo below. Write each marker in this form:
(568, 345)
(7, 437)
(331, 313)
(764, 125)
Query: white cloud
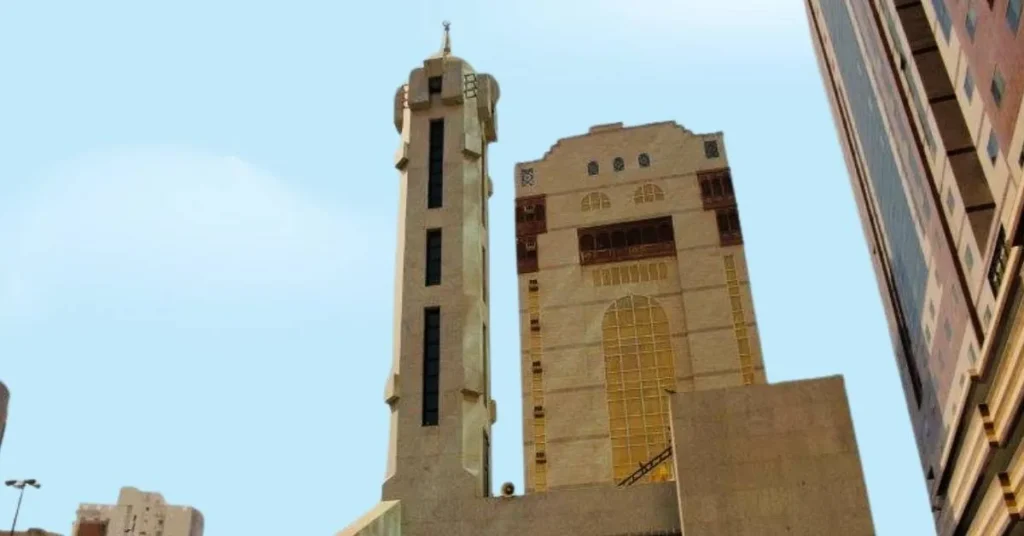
(171, 218)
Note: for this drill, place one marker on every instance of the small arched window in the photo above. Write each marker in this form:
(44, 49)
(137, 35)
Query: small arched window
(618, 164)
(644, 160)
(592, 168)
(595, 201)
(603, 241)
(648, 193)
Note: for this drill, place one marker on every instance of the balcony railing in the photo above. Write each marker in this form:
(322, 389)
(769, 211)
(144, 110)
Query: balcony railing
(627, 253)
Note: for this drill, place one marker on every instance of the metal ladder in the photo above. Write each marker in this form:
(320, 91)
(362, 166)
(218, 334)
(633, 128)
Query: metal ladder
(647, 467)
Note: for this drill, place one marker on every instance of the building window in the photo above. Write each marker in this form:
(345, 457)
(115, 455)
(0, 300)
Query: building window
(435, 177)
(639, 368)
(487, 466)
(531, 218)
(993, 147)
(618, 164)
(484, 364)
(483, 261)
(595, 201)
(716, 189)
(969, 258)
(431, 365)
(648, 193)
(433, 257)
(729, 233)
(998, 86)
(592, 168)
(1013, 11)
(526, 254)
(627, 241)
(711, 149)
(434, 85)
(947, 330)
(998, 266)
(969, 85)
(950, 200)
(944, 19)
(644, 160)
(971, 22)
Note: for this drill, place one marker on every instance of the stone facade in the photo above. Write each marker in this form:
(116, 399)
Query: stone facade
(589, 310)
(137, 512)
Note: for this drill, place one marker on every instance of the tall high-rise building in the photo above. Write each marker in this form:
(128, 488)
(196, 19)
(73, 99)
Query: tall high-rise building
(5, 399)
(137, 512)
(927, 102)
(641, 357)
(632, 282)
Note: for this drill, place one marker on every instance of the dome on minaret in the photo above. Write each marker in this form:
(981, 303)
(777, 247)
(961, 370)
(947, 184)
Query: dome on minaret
(446, 48)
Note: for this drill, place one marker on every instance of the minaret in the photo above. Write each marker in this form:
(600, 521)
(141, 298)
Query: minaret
(441, 413)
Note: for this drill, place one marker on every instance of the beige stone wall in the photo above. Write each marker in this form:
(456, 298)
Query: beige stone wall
(769, 459)
(450, 454)
(573, 298)
(145, 513)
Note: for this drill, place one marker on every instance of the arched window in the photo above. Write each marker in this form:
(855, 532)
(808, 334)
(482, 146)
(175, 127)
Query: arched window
(644, 160)
(618, 164)
(595, 201)
(648, 193)
(639, 368)
(592, 168)
(603, 241)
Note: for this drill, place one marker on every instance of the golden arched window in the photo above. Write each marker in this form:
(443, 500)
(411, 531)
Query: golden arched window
(595, 201)
(639, 368)
(648, 193)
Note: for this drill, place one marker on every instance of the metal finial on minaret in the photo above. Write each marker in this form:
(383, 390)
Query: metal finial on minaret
(446, 47)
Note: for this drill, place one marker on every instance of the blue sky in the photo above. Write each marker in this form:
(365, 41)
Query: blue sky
(197, 229)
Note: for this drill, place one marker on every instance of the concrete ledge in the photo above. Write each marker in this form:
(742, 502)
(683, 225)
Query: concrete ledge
(385, 519)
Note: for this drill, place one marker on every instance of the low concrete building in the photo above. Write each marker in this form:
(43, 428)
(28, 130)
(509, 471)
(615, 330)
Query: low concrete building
(137, 512)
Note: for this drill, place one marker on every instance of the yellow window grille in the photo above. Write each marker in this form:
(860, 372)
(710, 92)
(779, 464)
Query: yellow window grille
(648, 193)
(595, 201)
(639, 368)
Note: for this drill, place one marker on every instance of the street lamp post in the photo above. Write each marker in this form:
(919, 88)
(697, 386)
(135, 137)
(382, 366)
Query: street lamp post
(20, 486)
